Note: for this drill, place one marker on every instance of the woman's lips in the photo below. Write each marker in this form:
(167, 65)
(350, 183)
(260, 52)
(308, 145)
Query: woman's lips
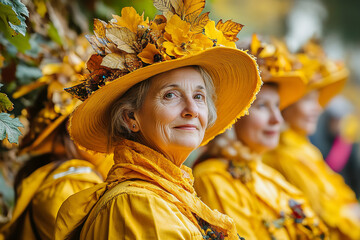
(271, 133)
(186, 127)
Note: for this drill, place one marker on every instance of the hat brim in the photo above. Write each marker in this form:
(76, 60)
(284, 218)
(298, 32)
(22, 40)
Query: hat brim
(329, 86)
(292, 86)
(234, 73)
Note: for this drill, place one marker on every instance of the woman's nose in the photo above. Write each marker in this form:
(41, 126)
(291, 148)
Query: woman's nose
(191, 109)
(275, 116)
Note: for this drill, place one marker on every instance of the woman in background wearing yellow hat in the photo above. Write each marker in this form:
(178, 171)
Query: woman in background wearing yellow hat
(302, 163)
(57, 168)
(231, 177)
(152, 102)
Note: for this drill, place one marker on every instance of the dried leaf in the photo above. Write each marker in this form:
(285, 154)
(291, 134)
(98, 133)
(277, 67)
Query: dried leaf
(114, 60)
(192, 9)
(9, 127)
(95, 44)
(94, 62)
(99, 28)
(230, 29)
(78, 91)
(198, 25)
(163, 6)
(123, 38)
(132, 62)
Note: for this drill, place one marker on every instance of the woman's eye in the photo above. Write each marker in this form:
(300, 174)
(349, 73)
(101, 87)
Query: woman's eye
(199, 97)
(169, 95)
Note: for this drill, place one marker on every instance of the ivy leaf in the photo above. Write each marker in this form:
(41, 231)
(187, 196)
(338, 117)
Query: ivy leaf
(5, 103)
(14, 13)
(9, 127)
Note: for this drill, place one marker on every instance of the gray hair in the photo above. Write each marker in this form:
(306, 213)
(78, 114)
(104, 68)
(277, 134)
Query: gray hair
(132, 100)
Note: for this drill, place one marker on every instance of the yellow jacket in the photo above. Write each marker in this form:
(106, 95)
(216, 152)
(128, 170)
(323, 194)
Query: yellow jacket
(258, 198)
(144, 197)
(302, 165)
(41, 195)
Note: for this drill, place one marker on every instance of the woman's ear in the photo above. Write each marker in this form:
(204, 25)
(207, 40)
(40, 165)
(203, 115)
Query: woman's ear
(129, 117)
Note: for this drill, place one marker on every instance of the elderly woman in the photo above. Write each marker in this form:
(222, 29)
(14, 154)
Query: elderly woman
(154, 104)
(231, 177)
(302, 163)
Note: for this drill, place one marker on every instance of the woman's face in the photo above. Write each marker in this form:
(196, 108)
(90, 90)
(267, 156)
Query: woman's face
(260, 129)
(174, 114)
(304, 114)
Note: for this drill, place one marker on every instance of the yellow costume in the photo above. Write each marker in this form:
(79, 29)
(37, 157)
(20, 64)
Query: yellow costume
(145, 196)
(261, 202)
(41, 195)
(302, 165)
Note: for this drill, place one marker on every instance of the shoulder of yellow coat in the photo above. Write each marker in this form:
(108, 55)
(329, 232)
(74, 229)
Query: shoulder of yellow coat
(209, 166)
(278, 179)
(125, 188)
(75, 169)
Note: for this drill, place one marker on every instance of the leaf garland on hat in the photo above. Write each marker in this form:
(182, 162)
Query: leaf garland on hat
(273, 59)
(129, 42)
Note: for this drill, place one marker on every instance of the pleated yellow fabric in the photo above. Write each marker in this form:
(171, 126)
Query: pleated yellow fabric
(261, 202)
(43, 192)
(302, 164)
(146, 196)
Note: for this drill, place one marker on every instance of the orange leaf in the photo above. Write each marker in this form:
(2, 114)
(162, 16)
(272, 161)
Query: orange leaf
(230, 29)
(129, 19)
(148, 53)
(94, 62)
(198, 25)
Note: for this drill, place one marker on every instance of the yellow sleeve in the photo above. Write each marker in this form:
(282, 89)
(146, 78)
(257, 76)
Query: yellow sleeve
(327, 193)
(138, 215)
(217, 190)
(63, 182)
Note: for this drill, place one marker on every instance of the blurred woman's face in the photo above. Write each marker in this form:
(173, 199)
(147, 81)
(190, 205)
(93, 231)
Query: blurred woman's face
(174, 115)
(303, 115)
(260, 129)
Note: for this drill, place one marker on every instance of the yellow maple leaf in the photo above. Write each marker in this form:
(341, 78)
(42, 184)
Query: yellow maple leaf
(230, 29)
(130, 19)
(191, 9)
(217, 36)
(197, 26)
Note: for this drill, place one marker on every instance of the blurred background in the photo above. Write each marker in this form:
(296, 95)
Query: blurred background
(35, 33)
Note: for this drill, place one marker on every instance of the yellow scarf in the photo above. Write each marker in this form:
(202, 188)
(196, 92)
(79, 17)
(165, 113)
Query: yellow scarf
(135, 161)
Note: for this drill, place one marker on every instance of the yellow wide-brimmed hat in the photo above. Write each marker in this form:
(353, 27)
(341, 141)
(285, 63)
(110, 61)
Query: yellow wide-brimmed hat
(170, 42)
(325, 75)
(276, 66)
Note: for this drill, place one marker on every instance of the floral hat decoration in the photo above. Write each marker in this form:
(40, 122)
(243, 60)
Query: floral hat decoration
(276, 65)
(323, 74)
(130, 49)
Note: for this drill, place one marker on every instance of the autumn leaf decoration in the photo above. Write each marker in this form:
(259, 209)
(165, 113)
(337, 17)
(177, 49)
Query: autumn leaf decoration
(129, 42)
(273, 59)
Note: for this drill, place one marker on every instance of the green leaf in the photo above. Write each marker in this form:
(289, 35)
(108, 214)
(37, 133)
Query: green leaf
(14, 13)
(9, 127)
(5, 103)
